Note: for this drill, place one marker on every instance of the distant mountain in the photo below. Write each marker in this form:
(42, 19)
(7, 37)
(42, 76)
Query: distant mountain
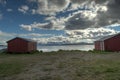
(61, 43)
(82, 43)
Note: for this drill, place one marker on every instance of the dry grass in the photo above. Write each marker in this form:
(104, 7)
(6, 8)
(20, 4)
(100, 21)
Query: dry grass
(62, 65)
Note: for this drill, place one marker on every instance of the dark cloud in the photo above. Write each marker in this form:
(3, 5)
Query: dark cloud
(111, 16)
(100, 1)
(48, 26)
(101, 13)
(78, 1)
(114, 9)
(104, 17)
(78, 22)
(50, 7)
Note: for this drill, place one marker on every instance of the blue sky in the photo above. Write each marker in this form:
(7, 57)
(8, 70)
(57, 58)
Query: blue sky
(68, 21)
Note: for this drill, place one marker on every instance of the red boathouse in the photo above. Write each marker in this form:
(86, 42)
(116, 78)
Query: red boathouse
(108, 43)
(21, 45)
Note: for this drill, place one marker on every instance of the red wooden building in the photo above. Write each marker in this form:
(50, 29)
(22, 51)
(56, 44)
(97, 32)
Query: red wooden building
(108, 43)
(21, 45)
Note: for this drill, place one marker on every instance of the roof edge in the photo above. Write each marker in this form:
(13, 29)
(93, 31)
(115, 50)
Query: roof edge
(28, 40)
(110, 36)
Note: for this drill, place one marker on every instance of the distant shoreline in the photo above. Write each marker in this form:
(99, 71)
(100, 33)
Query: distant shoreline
(3, 45)
(65, 44)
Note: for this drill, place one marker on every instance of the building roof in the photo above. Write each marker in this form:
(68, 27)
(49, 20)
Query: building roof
(28, 40)
(108, 37)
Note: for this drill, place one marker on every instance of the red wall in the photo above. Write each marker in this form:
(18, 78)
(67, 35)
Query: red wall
(32, 46)
(19, 45)
(113, 44)
(97, 45)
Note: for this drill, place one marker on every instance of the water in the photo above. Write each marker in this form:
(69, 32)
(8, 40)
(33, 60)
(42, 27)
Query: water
(63, 47)
(2, 47)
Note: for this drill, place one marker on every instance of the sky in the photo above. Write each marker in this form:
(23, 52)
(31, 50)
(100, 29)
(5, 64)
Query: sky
(64, 21)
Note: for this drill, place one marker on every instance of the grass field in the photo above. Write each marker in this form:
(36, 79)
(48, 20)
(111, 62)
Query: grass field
(62, 65)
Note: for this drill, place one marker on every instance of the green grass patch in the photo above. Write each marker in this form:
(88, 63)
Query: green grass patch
(10, 68)
(61, 65)
(100, 52)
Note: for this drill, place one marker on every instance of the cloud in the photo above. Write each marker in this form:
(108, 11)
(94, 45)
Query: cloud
(88, 17)
(35, 35)
(36, 25)
(90, 33)
(26, 27)
(9, 10)
(50, 7)
(23, 9)
(78, 21)
(61, 40)
(53, 39)
(3, 2)
(87, 14)
(5, 37)
(98, 14)
(5, 34)
(74, 36)
(52, 24)
(89, 20)
(113, 25)
(50, 18)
